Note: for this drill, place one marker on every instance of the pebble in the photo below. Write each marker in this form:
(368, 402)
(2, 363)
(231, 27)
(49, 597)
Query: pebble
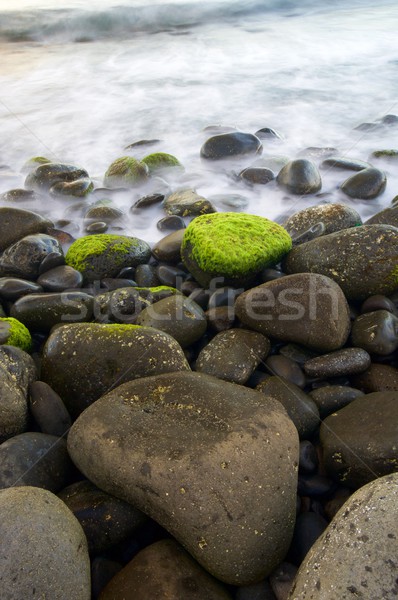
(281, 580)
(97, 227)
(376, 332)
(187, 203)
(267, 133)
(60, 278)
(220, 318)
(48, 410)
(168, 249)
(170, 275)
(366, 184)
(171, 222)
(14, 407)
(309, 527)
(145, 276)
(300, 177)
(257, 175)
(347, 361)
(233, 355)
(330, 398)
(17, 223)
(378, 302)
(378, 378)
(343, 163)
(12, 288)
(229, 145)
(308, 461)
(287, 368)
(333, 216)
(24, 258)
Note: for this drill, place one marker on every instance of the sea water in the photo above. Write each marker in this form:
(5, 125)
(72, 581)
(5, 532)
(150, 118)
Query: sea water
(80, 81)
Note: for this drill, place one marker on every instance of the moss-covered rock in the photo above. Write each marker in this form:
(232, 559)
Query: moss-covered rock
(125, 171)
(47, 175)
(72, 189)
(14, 333)
(187, 203)
(235, 246)
(104, 255)
(161, 160)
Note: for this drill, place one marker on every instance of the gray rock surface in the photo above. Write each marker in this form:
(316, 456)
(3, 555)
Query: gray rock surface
(356, 555)
(205, 460)
(43, 550)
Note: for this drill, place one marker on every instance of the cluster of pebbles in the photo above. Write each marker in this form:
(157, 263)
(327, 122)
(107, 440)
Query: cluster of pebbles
(213, 417)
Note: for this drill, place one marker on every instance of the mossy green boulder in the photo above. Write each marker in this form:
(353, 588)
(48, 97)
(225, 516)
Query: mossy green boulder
(104, 255)
(126, 172)
(161, 160)
(14, 333)
(234, 246)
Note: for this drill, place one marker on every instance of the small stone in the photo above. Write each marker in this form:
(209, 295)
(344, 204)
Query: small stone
(12, 288)
(365, 185)
(146, 201)
(309, 527)
(35, 459)
(51, 261)
(168, 249)
(376, 332)
(23, 259)
(257, 175)
(145, 276)
(228, 145)
(333, 216)
(19, 365)
(286, 368)
(233, 355)
(300, 177)
(14, 407)
(48, 409)
(16, 223)
(177, 316)
(387, 216)
(126, 172)
(164, 570)
(60, 279)
(106, 213)
(266, 133)
(347, 361)
(97, 227)
(47, 175)
(187, 203)
(171, 222)
(378, 378)
(330, 398)
(344, 163)
(72, 189)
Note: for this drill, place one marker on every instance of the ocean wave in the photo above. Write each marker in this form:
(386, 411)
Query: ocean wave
(118, 22)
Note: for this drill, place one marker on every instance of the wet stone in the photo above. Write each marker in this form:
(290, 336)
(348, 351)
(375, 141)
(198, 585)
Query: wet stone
(164, 570)
(287, 368)
(362, 260)
(105, 519)
(177, 316)
(82, 361)
(308, 461)
(301, 409)
(72, 189)
(168, 249)
(387, 216)
(310, 234)
(300, 177)
(171, 276)
(376, 332)
(353, 555)
(14, 408)
(51, 261)
(12, 288)
(264, 308)
(23, 259)
(267, 133)
(48, 409)
(347, 361)
(228, 145)
(315, 486)
(191, 418)
(147, 201)
(345, 436)
(224, 296)
(16, 223)
(19, 365)
(171, 222)
(233, 355)
(40, 312)
(114, 283)
(35, 459)
(45, 176)
(365, 185)
(106, 213)
(343, 163)
(60, 279)
(187, 203)
(44, 549)
(227, 201)
(257, 175)
(330, 398)
(378, 378)
(21, 195)
(333, 216)
(378, 302)
(97, 227)
(309, 527)
(220, 318)
(145, 276)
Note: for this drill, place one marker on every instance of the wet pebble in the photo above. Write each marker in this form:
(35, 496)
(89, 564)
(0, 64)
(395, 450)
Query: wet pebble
(347, 361)
(171, 223)
(281, 580)
(227, 145)
(330, 398)
(309, 526)
(376, 332)
(60, 278)
(168, 249)
(12, 288)
(169, 275)
(377, 378)
(287, 368)
(257, 175)
(378, 302)
(300, 177)
(343, 163)
(220, 318)
(48, 409)
(187, 203)
(308, 461)
(366, 184)
(23, 259)
(97, 227)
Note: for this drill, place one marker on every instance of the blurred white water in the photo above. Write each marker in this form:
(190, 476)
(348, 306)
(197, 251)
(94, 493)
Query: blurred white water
(167, 70)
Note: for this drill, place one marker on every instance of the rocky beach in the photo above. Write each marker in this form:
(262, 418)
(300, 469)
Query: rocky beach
(198, 320)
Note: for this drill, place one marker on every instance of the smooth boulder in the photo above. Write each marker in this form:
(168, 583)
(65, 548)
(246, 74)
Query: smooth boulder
(202, 458)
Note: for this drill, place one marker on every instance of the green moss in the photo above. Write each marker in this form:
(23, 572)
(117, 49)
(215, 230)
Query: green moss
(385, 154)
(125, 171)
(88, 246)
(119, 328)
(159, 288)
(161, 160)
(232, 245)
(18, 334)
(34, 162)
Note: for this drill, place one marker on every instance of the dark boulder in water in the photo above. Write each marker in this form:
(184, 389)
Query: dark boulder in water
(300, 177)
(228, 145)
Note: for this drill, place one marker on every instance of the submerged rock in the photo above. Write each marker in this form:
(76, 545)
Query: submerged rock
(47, 175)
(228, 145)
(205, 460)
(126, 172)
(365, 185)
(300, 177)
(17, 223)
(333, 216)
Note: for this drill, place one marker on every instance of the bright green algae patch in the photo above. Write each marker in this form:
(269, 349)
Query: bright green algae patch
(236, 246)
(18, 334)
(160, 160)
(126, 171)
(104, 255)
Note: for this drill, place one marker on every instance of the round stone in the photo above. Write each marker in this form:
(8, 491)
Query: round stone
(300, 177)
(125, 172)
(233, 246)
(347, 361)
(24, 258)
(60, 279)
(366, 184)
(334, 217)
(228, 145)
(16, 223)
